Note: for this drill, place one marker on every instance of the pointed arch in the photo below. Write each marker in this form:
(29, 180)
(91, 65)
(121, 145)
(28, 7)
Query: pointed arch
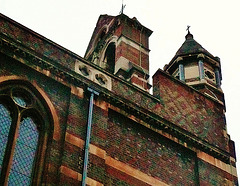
(99, 36)
(34, 124)
(108, 55)
(44, 97)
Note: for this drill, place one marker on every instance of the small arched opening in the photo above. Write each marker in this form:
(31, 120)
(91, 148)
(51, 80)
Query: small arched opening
(109, 58)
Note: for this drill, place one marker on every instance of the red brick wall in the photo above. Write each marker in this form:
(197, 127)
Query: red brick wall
(129, 52)
(133, 55)
(135, 34)
(210, 175)
(44, 48)
(191, 110)
(149, 152)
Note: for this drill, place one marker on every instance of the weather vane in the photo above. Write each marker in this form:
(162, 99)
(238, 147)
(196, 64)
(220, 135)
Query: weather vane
(188, 28)
(123, 6)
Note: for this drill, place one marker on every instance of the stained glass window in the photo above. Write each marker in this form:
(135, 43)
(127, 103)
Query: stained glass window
(25, 150)
(20, 101)
(20, 114)
(5, 123)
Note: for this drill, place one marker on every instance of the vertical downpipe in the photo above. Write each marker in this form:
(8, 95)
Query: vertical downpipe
(87, 142)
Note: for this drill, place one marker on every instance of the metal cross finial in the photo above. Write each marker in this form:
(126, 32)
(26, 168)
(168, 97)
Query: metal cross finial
(123, 6)
(188, 28)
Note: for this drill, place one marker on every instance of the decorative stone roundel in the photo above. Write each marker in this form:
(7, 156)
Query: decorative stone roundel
(84, 70)
(102, 80)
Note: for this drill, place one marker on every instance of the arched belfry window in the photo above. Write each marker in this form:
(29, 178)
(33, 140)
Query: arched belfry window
(24, 124)
(109, 57)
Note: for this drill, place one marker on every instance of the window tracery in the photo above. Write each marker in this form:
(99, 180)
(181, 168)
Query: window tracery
(21, 134)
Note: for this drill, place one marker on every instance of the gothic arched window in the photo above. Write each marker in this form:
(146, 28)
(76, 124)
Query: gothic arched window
(22, 135)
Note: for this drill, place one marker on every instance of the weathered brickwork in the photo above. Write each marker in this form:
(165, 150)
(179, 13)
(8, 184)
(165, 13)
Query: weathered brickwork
(31, 40)
(136, 97)
(210, 175)
(190, 110)
(99, 127)
(134, 32)
(53, 159)
(150, 153)
(68, 181)
(97, 168)
(77, 118)
(116, 177)
(129, 52)
(72, 157)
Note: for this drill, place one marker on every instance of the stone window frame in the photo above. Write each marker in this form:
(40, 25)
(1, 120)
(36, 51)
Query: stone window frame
(36, 108)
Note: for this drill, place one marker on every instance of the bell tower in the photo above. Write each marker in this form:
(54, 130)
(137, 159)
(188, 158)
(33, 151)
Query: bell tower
(196, 67)
(120, 45)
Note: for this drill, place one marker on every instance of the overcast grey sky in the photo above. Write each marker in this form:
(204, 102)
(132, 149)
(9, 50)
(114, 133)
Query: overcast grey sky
(215, 24)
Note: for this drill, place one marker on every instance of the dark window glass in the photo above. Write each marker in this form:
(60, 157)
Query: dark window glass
(24, 153)
(20, 101)
(5, 123)
(21, 117)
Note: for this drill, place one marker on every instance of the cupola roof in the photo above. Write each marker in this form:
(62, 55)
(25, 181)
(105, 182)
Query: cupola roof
(190, 46)
(189, 49)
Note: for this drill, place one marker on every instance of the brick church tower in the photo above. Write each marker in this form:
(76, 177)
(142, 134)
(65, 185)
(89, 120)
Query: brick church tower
(69, 120)
(120, 45)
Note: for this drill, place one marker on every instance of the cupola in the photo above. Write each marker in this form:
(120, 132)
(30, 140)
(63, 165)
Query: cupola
(195, 66)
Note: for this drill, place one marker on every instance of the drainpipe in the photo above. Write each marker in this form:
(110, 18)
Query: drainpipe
(87, 142)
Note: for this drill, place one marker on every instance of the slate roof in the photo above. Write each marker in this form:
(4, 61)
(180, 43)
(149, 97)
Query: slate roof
(190, 46)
